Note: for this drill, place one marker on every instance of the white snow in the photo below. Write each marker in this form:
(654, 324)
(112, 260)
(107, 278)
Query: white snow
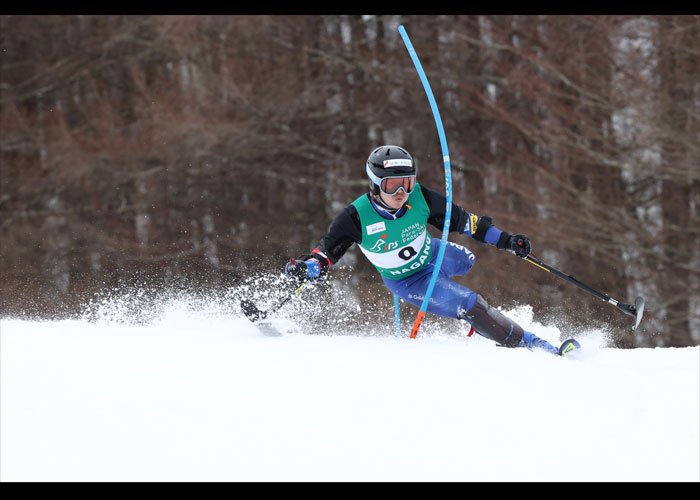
(196, 396)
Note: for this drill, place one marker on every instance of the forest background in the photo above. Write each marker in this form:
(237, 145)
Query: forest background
(192, 152)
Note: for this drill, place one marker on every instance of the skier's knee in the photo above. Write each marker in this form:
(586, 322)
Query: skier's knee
(490, 323)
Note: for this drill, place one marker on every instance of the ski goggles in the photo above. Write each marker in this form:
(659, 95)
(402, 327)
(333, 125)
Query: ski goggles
(391, 185)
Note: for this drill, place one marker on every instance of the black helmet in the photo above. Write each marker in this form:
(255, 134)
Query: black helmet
(388, 161)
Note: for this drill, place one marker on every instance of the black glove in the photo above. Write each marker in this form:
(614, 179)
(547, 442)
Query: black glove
(519, 244)
(303, 270)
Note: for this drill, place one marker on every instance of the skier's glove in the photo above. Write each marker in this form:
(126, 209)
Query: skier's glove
(519, 244)
(303, 270)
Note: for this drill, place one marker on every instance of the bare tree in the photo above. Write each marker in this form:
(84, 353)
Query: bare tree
(190, 150)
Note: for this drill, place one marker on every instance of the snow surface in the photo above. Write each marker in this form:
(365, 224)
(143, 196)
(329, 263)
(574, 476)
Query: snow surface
(197, 395)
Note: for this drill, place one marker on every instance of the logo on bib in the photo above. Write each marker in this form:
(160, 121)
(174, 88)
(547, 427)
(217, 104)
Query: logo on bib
(383, 246)
(376, 228)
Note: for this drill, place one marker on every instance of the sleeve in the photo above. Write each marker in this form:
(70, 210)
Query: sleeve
(480, 228)
(483, 230)
(342, 233)
(436, 203)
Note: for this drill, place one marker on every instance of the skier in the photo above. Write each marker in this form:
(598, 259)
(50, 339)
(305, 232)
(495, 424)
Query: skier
(390, 226)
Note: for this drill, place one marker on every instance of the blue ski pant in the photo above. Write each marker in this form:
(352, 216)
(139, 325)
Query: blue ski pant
(448, 297)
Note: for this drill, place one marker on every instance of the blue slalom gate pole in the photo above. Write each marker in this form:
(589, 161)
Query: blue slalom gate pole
(448, 180)
(398, 316)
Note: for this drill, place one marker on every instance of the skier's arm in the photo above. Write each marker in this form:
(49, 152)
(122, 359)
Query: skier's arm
(436, 203)
(480, 228)
(342, 233)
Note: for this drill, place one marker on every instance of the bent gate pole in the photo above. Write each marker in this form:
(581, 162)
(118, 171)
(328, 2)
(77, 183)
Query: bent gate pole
(448, 181)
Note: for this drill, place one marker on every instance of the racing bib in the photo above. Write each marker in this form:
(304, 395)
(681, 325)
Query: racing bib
(396, 247)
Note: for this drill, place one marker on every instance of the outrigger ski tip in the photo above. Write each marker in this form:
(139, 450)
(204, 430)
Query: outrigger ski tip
(257, 317)
(639, 310)
(254, 313)
(251, 311)
(636, 310)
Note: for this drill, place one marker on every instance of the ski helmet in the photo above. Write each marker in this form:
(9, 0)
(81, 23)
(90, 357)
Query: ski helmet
(388, 161)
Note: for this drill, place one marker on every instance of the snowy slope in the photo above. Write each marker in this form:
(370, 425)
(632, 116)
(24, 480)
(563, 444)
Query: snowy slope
(195, 396)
